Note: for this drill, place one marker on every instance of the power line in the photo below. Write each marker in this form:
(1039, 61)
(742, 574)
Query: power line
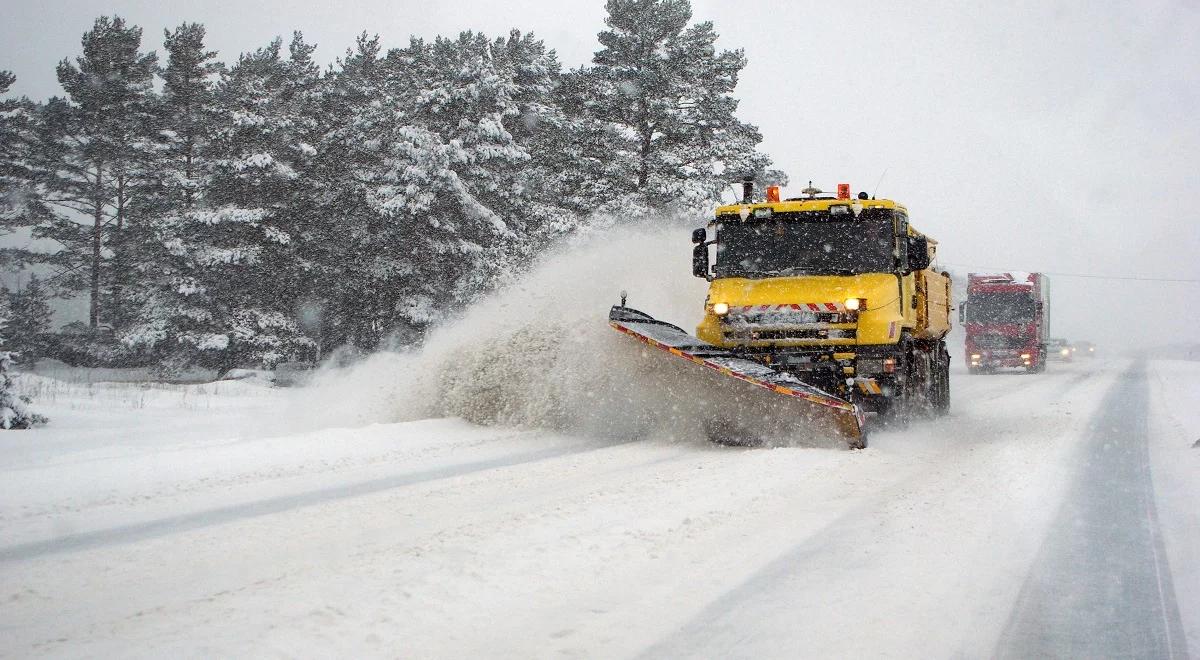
(1090, 276)
(1128, 278)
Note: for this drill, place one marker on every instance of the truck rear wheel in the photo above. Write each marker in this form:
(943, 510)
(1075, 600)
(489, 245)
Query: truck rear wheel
(941, 381)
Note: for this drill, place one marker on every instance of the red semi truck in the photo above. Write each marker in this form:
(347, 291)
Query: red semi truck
(1006, 318)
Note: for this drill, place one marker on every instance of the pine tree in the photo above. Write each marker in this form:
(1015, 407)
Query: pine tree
(186, 113)
(422, 187)
(20, 202)
(93, 144)
(542, 129)
(470, 104)
(172, 311)
(449, 182)
(14, 408)
(29, 322)
(669, 94)
(347, 246)
(232, 251)
(262, 206)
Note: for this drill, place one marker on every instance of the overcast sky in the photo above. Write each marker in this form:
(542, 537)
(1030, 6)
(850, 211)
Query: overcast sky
(1059, 135)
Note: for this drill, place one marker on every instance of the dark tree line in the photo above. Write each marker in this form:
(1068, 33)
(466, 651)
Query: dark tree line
(248, 213)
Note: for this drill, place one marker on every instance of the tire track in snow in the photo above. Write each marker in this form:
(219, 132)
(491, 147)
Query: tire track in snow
(201, 519)
(438, 523)
(1101, 586)
(759, 613)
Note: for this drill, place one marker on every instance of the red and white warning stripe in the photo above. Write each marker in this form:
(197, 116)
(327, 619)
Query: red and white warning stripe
(798, 307)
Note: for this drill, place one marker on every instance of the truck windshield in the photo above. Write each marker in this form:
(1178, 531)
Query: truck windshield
(794, 245)
(1000, 307)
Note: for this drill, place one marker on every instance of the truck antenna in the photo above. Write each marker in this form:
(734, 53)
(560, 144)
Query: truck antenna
(885, 170)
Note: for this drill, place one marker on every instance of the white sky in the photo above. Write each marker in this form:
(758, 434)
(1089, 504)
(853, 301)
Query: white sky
(1058, 136)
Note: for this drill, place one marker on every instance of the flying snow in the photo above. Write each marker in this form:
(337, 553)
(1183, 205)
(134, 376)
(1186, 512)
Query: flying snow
(539, 354)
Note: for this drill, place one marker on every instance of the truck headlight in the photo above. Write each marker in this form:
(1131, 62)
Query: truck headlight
(1066, 351)
(721, 309)
(975, 356)
(1025, 356)
(854, 304)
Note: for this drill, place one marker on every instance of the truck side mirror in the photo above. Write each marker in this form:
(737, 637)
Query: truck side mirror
(918, 253)
(699, 235)
(700, 260)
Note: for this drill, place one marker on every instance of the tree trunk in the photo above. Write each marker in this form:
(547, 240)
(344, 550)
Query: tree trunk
(646, 132)
(97, 240)
(644, 170)
(118, 274)
(190, 148)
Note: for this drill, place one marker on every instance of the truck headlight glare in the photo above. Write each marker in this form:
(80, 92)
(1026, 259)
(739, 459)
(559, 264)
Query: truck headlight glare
(854, 304)
(1066, 351)
(1025, 356)
(721, 309)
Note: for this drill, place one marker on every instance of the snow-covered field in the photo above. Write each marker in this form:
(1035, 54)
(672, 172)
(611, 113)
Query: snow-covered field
(194, 520)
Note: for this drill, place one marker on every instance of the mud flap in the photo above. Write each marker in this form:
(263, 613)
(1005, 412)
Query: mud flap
(812, 403)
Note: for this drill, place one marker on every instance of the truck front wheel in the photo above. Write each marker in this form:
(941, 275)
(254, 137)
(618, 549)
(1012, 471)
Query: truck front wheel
(896, 410)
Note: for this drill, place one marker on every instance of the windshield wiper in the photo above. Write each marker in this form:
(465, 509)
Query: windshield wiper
(820, 271)
(793, 271)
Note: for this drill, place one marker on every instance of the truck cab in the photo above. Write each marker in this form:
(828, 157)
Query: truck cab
(840, 292)
(1005, 318)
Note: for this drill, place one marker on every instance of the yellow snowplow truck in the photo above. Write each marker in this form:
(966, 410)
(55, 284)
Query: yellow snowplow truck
(830, 300)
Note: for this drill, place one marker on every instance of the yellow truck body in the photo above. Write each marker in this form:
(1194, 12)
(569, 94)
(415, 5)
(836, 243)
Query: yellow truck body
(856, 325)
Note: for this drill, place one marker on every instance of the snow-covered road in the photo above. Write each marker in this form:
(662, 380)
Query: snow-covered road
(179, 526)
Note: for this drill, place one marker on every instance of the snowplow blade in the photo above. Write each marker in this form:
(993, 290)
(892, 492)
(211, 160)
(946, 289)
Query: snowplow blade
(808, 402)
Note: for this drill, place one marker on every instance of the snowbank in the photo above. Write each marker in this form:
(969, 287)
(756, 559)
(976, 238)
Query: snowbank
(1175, 468)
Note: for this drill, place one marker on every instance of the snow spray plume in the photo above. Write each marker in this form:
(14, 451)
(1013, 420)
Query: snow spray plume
(539, 354)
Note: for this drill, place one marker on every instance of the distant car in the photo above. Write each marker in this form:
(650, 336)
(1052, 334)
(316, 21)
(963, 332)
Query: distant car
(1085, 348)
(1059, 349)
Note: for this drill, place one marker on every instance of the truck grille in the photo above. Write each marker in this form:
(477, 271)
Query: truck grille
(787, 317)
(798, 333)
(998, 342)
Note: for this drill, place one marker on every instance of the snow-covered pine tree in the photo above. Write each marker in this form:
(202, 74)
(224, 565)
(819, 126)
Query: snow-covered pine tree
(172, 311)
(543, 130)
(426, 185)
(91, 148)
(470, 102)
(14, 408)
(669, 94)
(29, 320)
(235, 246)
(450, 181)
(20, 202)
(594, 183)
(347, 247)
(186, 112)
